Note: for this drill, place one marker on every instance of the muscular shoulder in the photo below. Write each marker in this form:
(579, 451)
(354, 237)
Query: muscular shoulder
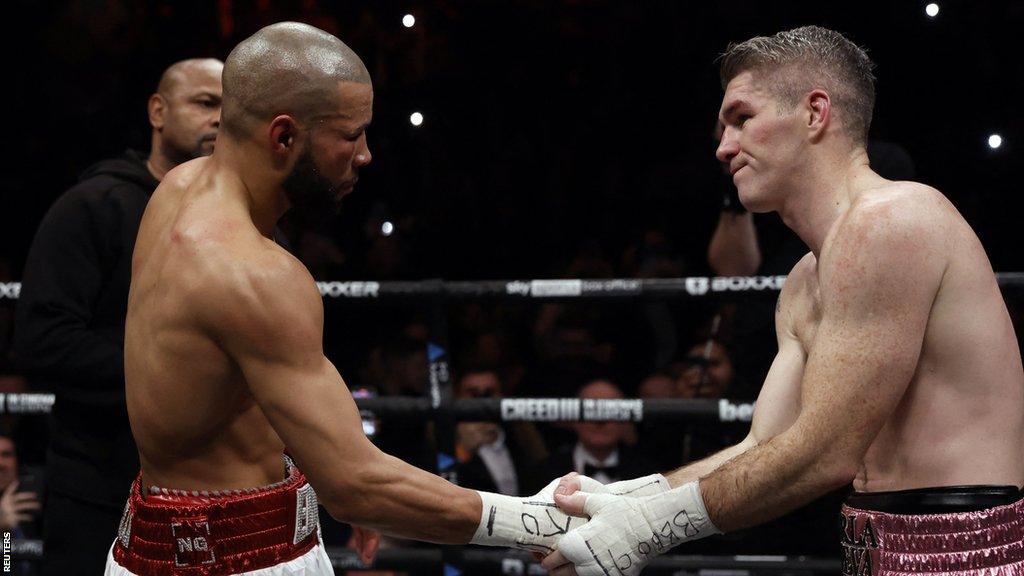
(894, 238)
(898, 220)
(260, 291)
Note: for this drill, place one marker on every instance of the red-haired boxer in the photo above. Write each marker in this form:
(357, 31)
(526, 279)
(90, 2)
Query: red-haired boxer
(898, 369)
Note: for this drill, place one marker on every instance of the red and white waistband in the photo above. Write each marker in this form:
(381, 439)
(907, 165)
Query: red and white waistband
(177, 533)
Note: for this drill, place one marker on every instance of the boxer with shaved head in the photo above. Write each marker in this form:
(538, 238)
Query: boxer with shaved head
(224, 364)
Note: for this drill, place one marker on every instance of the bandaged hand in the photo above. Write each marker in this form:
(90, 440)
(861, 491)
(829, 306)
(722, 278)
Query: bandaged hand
(643, 486)
(625, 533)
(534, 523)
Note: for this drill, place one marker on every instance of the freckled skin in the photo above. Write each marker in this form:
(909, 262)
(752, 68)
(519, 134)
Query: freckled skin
(959, 420)
(898, 366)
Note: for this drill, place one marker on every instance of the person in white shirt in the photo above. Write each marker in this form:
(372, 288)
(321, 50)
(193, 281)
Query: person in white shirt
(491, 456)
(602, 450)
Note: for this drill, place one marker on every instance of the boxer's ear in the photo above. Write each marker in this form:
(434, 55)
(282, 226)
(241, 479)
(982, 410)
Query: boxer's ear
(156, 107)
(283, 132)
(819, 113)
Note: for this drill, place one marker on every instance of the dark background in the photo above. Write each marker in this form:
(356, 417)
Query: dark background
(561, 139)
(551, 126)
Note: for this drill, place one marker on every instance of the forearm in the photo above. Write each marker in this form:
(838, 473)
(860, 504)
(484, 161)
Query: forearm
(701, 468)
(401, 500)
(770, 480)
(733, 250)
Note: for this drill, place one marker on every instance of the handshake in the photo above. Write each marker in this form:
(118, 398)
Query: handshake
(583, 527)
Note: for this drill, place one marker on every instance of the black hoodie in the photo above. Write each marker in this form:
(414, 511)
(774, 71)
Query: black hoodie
(69, 331)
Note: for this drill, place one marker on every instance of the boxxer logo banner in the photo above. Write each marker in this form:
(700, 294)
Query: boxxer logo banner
(697, 286)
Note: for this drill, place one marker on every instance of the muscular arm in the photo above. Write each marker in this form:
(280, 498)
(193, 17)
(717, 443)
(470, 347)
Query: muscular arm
(777, 403)
(271, 323)
(878, 282)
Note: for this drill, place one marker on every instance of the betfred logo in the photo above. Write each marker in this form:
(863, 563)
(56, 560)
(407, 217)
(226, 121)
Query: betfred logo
(729, 412)
(193, 545)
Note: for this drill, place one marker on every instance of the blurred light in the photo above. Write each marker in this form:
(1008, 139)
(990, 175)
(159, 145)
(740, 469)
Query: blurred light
(995, 141)
(932, 10)
(409, 20)
(416, 118)
(387, 228)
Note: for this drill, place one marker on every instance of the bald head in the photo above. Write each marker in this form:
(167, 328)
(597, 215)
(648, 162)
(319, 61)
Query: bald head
(286, 68)
(600, 389)
(182, 73)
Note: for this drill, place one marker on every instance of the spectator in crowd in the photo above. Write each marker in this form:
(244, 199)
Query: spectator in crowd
(600, 450)
(17, 507)
(705, 372)
(657, 386)
(69, 331)
(19, 501)
(399, 368)
(665, 451)
(494, 457)
(570, 352)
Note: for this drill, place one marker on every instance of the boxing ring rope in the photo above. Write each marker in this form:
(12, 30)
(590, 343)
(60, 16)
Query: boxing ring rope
(501, 409)
(444, 410)
(615, 288)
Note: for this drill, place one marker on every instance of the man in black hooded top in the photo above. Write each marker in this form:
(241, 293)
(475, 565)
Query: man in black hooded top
(69, 331)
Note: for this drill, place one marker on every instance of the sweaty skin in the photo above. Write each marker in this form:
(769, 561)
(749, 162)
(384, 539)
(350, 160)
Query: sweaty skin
(224, 367)
(898, 366)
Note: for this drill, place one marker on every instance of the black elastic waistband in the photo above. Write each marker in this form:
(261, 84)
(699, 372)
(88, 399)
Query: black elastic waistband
(941, 500)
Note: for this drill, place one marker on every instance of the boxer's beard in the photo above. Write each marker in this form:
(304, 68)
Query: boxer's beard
(313, 197)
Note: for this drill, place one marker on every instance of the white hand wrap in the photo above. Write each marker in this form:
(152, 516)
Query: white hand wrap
(533, 523)
(625, 533)
(637, 487)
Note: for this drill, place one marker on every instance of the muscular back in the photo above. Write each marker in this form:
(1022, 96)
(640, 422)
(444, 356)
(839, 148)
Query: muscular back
(959, 419)
(195, 422)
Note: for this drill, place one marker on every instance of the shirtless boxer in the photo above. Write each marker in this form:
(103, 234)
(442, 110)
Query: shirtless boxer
(898, 369)
(223, 359)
